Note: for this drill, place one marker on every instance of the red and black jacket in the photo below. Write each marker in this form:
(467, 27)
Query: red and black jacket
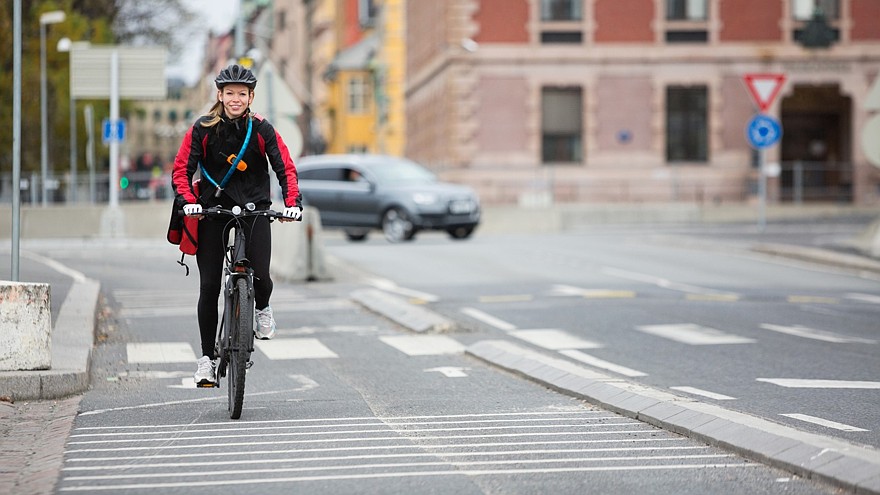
(211, 146)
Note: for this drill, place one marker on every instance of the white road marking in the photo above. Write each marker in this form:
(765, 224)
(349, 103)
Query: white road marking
(693, 334)
(811, 333)
(408, 474)
(598, 363)
(823, 422)
(488, 319)
(160, 352)
(386, 467)
(569, 290)
(305, 348)
(554, 339)
(662, 282)
(389, 286)
(450, 371)
(295, 460)
(868, 298)
(703, 393)
(506, 298)
(802, 383)
(423, 345)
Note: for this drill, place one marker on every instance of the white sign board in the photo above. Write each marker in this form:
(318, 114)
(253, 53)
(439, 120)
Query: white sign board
(141, 72)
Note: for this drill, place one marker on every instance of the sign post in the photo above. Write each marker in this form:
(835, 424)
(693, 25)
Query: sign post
(763, 131)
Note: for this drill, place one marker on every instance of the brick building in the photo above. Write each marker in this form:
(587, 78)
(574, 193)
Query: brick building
(640, 100)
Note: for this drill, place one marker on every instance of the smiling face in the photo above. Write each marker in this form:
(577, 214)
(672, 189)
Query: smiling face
(236, 99)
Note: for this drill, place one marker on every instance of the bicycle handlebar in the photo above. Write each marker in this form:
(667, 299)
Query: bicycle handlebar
(218, 211)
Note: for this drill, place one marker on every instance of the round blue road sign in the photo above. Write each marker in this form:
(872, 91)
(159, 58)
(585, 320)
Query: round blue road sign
(763, 131)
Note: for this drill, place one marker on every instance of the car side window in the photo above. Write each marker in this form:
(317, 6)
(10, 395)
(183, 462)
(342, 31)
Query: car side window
(332, 173)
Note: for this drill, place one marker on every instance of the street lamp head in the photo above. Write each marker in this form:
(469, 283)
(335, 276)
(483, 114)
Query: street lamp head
(53, 17)
(64, 45)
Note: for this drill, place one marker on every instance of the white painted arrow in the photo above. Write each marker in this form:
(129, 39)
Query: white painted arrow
(450, 371)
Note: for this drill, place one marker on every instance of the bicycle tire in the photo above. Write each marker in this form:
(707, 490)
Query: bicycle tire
(242, 322)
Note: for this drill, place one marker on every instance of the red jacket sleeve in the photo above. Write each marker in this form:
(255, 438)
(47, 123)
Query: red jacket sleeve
(185, 164)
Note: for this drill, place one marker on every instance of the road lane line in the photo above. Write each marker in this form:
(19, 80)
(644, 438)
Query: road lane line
(703, 393)
(390, 286)
(390, 466)
(488, 319)
(405, 432)
(834, 384)
(811, 333)
(506, 298)
(868, 298)
(397, 437)
(598, 363)
(812, 300)
(293, 460)
(692, 334)
(554, 339)
(663, 283)
(418, 447)
(412, 474)
(823, 422)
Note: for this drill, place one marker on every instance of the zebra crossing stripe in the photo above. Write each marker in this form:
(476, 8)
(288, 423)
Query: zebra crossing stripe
(160, 352)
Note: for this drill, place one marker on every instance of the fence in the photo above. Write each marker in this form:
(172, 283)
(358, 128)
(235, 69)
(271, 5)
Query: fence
(798, 182)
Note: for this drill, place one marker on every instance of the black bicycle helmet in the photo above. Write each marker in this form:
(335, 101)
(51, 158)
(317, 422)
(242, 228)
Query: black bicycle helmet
(236, 74)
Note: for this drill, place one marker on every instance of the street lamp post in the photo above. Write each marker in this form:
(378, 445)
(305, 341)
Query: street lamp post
(64, 46)
(53, 17)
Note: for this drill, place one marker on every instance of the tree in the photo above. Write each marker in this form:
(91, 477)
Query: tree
(158, 22)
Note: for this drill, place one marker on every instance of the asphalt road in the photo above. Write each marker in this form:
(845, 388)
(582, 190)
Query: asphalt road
(684, 310)
(344, 401)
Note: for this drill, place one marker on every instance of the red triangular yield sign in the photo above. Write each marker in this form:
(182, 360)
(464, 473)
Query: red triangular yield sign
(764, 88)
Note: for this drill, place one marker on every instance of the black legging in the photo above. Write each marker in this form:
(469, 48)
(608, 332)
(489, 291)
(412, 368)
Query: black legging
(210, 256)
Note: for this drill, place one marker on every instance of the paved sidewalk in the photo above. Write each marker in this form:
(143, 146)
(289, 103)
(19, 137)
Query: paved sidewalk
(32, 437)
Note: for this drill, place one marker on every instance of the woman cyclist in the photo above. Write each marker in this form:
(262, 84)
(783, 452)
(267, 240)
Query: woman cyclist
(211, 148)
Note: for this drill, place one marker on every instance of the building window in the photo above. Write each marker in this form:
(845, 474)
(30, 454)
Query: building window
(358, 94)
(561, 10)
(561, 125)
(367, 11)
(687, 21)
(803, 10)
(686, 10)
(687, 119)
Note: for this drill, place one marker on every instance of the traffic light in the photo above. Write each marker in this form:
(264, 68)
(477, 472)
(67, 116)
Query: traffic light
(123, 183)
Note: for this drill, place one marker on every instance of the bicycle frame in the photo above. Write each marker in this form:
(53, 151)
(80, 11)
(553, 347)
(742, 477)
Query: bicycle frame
(235, 336)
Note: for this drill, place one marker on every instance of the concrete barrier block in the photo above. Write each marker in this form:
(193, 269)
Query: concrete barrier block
(26, 323)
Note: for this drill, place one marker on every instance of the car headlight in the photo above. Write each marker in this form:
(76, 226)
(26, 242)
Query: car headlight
(425, 199)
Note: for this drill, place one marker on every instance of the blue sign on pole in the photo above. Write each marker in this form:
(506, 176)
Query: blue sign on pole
(763, 131)
(112, 131)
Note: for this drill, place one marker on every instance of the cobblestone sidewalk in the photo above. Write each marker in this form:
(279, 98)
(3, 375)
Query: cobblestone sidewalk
(32, 437)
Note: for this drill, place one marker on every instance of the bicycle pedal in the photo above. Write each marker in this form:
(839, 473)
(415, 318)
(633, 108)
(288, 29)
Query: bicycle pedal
(248, 365)
(207, 385)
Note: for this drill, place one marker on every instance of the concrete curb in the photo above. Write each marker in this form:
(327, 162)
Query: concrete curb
(394, 308)
(808, 455)
(72, 339)
(823, 256)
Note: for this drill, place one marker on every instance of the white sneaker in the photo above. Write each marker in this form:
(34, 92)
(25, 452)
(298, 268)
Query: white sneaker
(265, 328)
(205, 375)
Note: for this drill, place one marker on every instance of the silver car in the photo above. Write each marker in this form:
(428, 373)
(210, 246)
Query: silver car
(360, 193)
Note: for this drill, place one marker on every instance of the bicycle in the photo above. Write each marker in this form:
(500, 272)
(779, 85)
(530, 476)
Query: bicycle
(235, 336)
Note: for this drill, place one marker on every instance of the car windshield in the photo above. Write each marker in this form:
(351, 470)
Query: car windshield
(402, 171)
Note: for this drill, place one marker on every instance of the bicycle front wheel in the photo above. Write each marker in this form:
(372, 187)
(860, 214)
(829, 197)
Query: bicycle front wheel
(242, 324)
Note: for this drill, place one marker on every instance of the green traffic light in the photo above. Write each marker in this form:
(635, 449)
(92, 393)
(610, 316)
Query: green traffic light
(123, 182)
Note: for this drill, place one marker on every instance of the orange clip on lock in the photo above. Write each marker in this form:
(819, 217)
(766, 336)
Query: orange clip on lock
(242, 166)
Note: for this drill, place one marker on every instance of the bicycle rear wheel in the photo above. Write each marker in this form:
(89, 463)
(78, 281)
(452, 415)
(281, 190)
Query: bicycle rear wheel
(242, 324)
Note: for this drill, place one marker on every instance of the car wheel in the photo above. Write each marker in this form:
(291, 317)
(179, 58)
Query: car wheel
(356, 235)
(397, 226)
(460, 232)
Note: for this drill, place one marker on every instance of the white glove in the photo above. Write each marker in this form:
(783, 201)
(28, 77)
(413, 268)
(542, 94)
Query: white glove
(190, 209)
(293, 213)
